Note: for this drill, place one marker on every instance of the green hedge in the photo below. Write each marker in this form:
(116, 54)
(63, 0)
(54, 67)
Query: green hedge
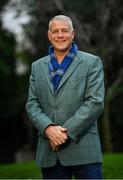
(112, 169)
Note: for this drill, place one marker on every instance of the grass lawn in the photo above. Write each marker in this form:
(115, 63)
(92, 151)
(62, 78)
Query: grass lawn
(113, 166)
(112, 169)
(26, 170)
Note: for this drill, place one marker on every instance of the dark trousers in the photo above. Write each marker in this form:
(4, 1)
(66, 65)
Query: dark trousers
(89, 171)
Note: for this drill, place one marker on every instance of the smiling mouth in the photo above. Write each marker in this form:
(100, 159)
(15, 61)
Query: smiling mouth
(61, 41)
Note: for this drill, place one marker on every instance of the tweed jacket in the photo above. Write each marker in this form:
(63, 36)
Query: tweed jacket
(76, 105)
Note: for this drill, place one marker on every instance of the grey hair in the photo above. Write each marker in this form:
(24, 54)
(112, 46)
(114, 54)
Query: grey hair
(61, 18)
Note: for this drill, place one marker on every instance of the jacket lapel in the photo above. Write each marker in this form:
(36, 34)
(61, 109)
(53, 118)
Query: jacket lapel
(46, 73)
(69, 71)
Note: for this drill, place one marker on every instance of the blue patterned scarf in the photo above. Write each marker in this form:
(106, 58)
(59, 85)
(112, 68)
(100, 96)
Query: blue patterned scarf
(58, 70)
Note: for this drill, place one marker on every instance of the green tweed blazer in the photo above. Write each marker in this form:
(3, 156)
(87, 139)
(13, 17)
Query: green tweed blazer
(76, 105)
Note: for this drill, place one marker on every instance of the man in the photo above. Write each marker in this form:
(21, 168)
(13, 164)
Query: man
(66, 97)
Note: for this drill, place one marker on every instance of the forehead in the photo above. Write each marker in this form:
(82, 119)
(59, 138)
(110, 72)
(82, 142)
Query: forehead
(59, 24)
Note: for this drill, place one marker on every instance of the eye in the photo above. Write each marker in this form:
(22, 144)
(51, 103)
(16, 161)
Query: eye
(55, 31)
(65, 30)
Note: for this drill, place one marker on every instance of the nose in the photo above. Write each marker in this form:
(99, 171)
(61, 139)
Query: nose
(60, 33)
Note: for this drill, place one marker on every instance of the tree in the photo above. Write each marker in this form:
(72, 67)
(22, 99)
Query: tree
(9, 96)
(99, 30)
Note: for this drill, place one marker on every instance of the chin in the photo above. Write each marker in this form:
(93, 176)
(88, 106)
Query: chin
(63, 48)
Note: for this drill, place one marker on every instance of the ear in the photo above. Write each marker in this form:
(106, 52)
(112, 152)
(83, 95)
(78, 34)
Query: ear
(48, 33)
(73, 33)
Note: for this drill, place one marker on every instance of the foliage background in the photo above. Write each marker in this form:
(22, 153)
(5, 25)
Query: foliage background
(99, 30)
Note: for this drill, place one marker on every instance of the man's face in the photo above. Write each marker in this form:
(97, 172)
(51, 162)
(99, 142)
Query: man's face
(60, 35)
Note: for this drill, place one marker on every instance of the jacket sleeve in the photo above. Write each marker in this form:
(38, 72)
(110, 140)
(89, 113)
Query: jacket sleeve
(93, 104)
(33, 108)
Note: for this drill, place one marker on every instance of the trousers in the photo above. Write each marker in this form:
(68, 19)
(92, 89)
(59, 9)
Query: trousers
(88, 171)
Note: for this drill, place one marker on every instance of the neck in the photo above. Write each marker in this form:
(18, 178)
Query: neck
(60, 55)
